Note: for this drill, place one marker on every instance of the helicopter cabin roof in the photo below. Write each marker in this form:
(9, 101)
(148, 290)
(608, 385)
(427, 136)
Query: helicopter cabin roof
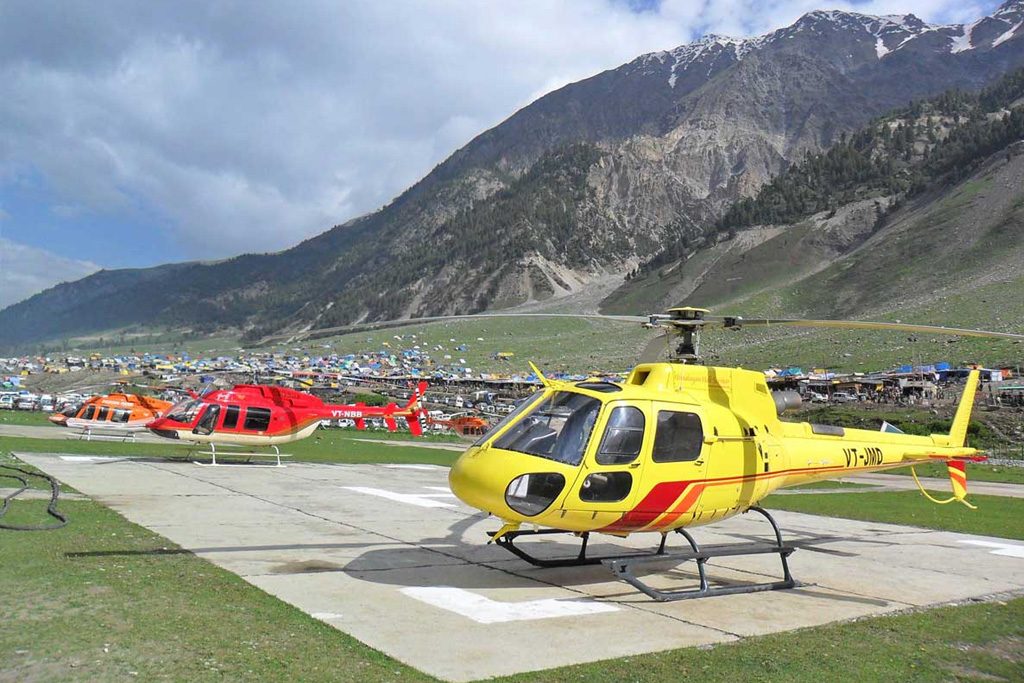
(734, 388)
(261, 393)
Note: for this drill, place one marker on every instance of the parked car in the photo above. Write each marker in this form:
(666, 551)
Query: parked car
(843, 397)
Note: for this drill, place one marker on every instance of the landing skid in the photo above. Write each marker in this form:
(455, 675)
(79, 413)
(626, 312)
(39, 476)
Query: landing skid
(581, 560)
(622, 566)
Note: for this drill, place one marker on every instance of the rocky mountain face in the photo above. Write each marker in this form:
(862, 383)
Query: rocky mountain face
(920, 213)
(590, 179)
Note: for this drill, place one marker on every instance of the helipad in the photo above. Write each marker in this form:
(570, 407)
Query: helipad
(388, 555)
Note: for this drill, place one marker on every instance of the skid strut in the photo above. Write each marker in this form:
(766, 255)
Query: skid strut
(622, 566)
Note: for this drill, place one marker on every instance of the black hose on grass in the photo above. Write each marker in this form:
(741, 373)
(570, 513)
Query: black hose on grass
(51, 508)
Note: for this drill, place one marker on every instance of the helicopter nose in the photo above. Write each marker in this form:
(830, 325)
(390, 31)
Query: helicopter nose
(470, 481)
(492, 481)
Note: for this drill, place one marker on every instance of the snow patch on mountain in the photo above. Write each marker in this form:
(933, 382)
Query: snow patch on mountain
(962, 43)
(890, 32)
(1006, 36)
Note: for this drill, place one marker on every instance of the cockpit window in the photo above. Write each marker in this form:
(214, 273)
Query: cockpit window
(623, 437)
(208, 421)
(185, 411)
(556, 428)
(526, 403)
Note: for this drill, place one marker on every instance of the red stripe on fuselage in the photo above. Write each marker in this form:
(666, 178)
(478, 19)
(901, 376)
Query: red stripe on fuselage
(654, 504)
(684, 506)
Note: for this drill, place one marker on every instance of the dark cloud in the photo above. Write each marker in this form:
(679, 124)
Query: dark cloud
(232, 126)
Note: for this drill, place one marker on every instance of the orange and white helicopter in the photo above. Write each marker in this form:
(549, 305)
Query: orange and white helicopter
(678, 445)
(120, 412)
(261, 415)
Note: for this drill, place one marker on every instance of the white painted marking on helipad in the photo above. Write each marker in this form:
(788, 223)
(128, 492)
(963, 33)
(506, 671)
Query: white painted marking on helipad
(414, 467)
(1006, 549)
(423, 500)
(483, 610)
(325, 616)
(88, 458)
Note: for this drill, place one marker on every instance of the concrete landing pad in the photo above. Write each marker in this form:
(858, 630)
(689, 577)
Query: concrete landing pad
(388, 555)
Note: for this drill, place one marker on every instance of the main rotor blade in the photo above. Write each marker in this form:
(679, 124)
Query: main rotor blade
(404, 322)
(737, 322)
(657, 349)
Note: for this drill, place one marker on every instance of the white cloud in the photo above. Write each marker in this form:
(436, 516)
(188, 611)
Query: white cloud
(26, 270)
(249, 126)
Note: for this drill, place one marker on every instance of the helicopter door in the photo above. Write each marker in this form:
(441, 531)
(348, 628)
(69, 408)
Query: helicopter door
(673, 481)
(611, 472)
(738, 467)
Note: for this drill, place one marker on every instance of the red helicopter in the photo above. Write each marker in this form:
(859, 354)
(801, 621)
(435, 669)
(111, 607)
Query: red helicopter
(259, 415)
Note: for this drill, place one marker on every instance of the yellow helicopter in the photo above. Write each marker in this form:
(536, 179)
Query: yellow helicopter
(677, 445)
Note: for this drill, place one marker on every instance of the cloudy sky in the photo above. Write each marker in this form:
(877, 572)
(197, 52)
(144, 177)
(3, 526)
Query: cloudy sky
(134, 133)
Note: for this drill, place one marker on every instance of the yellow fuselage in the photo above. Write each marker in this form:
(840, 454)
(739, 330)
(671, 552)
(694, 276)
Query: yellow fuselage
(744, 453)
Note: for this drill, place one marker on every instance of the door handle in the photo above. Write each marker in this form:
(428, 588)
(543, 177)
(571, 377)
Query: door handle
(634, 466)
(698, 462)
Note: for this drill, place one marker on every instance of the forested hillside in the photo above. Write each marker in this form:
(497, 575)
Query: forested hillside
(929, 143)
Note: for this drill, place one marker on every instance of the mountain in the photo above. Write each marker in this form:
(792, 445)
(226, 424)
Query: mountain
(587, 181)
(919, 215)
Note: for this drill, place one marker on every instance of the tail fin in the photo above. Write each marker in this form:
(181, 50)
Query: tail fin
(417, 396)
(958, 432)
(958, 478)
(413, 410)
(956, 441)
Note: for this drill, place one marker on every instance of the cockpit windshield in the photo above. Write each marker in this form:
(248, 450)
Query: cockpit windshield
(557, 428)
(520, 409)
(185, 411)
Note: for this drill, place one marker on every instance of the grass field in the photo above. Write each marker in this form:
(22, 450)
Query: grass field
(975, 472)
(24, 417)
(555, 344)
(106, 600)
(995, 516)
